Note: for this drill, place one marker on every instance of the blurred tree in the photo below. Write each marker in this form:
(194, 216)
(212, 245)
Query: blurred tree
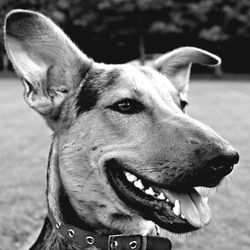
(225, 20)
(134, 28)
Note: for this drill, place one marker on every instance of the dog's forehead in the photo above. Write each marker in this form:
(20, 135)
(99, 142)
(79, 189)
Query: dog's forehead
(141, 80)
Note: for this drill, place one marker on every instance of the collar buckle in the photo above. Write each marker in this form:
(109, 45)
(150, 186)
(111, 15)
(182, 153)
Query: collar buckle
(121, 241)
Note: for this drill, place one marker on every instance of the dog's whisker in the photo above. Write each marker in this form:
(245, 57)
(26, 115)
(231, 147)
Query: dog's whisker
(87, 177)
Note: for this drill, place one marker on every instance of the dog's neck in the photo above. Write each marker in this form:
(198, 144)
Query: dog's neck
(57, 197)
(60, 209)
(49, 239)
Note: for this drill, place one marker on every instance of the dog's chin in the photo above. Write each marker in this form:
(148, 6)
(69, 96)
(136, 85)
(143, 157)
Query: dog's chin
(158, 204)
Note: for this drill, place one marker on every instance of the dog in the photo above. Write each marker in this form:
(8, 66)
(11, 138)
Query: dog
(125, 158)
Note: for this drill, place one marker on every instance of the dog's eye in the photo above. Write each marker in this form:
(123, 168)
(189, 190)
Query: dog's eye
(127, 106)
(183, 104)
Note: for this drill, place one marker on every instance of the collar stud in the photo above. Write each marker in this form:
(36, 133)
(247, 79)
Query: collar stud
(90, 240)
(71, 233)
(133, 244)
(58, 225)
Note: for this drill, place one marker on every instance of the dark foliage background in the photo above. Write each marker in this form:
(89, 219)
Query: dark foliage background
(121, 30)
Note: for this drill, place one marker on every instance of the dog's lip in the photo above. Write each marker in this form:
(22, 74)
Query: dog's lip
(159, 211)
(189, 205)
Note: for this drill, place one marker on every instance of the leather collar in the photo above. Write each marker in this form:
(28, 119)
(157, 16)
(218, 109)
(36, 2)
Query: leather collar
(87, 239)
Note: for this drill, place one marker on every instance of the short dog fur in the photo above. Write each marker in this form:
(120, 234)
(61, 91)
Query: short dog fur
(108, 120)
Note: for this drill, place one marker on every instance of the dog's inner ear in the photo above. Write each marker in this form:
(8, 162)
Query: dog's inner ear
(49, 64)
(176, 65)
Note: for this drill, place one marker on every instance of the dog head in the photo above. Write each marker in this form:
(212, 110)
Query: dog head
(128, 155)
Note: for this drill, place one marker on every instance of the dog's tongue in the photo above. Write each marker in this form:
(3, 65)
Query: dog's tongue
(194, 208)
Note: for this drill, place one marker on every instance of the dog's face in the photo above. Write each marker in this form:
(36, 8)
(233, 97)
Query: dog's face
(129, 156)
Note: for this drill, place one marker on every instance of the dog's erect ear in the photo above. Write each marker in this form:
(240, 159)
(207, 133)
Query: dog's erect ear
(176, 65)
(47, 61)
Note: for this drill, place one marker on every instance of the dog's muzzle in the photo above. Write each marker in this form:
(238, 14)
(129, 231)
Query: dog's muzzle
(178, 208)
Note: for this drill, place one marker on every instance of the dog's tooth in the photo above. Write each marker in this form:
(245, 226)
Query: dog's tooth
(205, 199)
(177, 208)
(130, 177)
(158, 229)
(139, 184)
(150, 191)
(183, 217)
(161, 196)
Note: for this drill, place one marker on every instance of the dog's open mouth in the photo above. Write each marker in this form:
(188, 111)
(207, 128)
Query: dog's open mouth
(175, 211)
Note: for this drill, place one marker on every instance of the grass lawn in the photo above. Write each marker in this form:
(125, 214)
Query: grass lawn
(225, 106)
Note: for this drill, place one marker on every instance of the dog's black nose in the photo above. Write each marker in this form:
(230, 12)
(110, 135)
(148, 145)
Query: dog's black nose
(223, 164)
(216, 168)
(236, 157)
